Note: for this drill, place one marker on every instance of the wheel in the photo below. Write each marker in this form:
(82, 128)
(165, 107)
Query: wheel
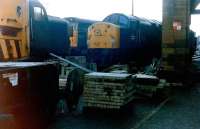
(74, 89)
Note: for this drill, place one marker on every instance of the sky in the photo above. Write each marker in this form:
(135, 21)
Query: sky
(99, 9)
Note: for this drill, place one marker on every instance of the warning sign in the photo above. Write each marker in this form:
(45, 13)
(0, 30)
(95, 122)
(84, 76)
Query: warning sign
(13, 78)
(177, 26)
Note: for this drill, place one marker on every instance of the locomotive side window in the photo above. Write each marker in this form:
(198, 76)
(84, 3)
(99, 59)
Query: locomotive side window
(38, 14)
(114, 19)
(107, 19)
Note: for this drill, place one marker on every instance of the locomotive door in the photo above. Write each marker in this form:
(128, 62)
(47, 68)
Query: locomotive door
(133, 32)
(39, 33)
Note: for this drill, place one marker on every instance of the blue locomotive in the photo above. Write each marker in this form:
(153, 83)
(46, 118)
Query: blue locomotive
(121, 39)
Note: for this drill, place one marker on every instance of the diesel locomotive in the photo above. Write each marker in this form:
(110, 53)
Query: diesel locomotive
(121, 39)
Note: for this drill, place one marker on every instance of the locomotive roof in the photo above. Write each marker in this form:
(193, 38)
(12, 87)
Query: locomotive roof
(75, 19)
(56, 19)
(132, 18)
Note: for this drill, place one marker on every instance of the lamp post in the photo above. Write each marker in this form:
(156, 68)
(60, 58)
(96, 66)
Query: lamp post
(132, 7)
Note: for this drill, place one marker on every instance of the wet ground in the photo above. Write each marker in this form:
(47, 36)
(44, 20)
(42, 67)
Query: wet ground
(180, 111)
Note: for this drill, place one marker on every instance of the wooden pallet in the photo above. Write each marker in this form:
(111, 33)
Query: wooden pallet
(108, 90)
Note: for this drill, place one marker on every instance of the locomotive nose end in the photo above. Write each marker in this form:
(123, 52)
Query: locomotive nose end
(103, 35)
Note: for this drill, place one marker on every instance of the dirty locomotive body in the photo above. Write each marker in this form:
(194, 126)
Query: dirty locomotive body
(118, 39)
(121, 39)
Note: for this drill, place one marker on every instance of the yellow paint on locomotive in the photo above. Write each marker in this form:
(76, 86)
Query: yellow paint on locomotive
(14, 34)
(74, 39)
(103, 35)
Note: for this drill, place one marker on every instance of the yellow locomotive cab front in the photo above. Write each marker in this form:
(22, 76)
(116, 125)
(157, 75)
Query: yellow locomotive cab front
(103, 35)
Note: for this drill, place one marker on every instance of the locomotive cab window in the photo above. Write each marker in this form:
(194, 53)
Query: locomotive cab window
(39, 14)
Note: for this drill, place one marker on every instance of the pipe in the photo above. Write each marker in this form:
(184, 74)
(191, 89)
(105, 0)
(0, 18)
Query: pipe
(71, 63)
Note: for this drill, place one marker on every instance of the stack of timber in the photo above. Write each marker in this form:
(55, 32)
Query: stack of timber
(147, 85)
(108, 90)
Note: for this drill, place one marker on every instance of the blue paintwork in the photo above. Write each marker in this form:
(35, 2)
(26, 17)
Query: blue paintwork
(140, 42)
(82, 28)
(48, 34)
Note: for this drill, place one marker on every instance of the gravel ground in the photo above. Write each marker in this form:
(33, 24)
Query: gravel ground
(107, 119)
(182, 111)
